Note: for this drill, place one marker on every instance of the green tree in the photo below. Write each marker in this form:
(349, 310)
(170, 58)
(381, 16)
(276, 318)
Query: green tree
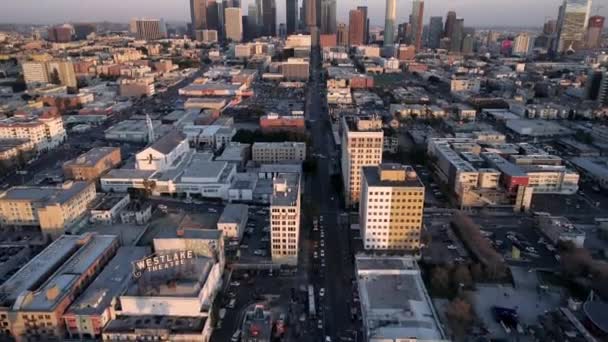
(55, 79)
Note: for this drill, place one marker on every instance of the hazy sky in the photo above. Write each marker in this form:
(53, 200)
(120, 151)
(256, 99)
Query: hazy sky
(475, 12)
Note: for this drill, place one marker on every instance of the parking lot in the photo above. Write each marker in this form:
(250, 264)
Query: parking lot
(255, 245)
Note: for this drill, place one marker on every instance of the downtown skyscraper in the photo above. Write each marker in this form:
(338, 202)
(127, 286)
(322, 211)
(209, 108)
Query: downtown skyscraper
(363, 9)
(435, 32)
(389, 22)
(198, 15)
(328, 16)
(356, 28)
(450, 21)
(291, 16)
(267, 17)
(416, 23)
(572, 24)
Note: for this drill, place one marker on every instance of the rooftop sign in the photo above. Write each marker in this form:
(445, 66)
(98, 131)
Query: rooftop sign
(160, 262)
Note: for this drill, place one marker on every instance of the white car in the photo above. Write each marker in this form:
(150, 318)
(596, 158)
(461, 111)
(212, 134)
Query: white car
(322, 292)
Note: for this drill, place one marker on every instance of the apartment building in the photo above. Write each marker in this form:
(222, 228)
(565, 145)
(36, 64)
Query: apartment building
(50, 208)
(91, 165)
(285, 218)
(277, 152)
(390, 208)
(35, 72)
(362, 143)
(33, 300)
(137, 87)
(45, 131)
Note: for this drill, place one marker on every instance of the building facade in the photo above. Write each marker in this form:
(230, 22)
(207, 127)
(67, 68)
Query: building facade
(285, 218)
(390, 208)
(270, 153)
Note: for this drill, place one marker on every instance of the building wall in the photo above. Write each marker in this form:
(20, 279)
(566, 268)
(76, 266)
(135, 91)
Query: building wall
(92, 172)
(274, 153)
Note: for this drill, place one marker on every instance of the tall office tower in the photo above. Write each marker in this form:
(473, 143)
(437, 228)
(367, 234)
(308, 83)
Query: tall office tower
(198, 15)
(213, 15)
(593, 83)
(269, 18)
(285, 218)
(594, 32)
(311, 12)
(234, 24)
(450, 21)
(302, 19)
(356, 25)
(342, 35)
(435, 32)
(389, 22)
(572, 24)
(282, 30)
(150, 29)
(328, 16)
(363, 9)
(521, 44)
(83, 30)
(60, 33)
(602, 96)
(252, 21)
(550, 27)
(403, 31)
(457, 36)
(362, 141)
(292, 16)
(416, 23)
(468, 44)
(391, 206)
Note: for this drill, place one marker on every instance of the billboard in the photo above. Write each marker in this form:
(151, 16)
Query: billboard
(160, 262)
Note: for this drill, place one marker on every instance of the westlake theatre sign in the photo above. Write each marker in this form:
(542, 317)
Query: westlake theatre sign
(160, 262)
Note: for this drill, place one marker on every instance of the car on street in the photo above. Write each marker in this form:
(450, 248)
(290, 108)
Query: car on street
(235, 283)
(236, 337)
(322, 292)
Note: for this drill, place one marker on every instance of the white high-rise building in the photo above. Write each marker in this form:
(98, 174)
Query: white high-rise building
(234, 24)
(362, 144)
(389, 22)
(390, 209)
(285, 218)
(521, 44)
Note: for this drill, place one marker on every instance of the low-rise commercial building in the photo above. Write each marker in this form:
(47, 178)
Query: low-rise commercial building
(233, 220)
(50, 208)
(268, 153)
(35, 298)
(91, 165)
(395, 305)
(136, 87)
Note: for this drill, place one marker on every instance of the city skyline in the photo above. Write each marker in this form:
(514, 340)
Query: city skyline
(475, 13)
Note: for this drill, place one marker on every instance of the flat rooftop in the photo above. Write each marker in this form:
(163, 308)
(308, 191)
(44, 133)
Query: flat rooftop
(173, 324)
(92, 157)
(395, 301)
(372, 175)
(110, 282)
(108, 202)
(233, 213)
(48, 195)
(289, 193)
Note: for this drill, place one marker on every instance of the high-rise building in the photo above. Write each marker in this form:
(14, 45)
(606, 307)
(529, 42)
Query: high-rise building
(593, 83)
(403, 33)
(234, 24)
(63, 70)
(572, 24)
(435, 32)
(198, 15)
(594, 31)
(416, 23)
(269, 18)
(60, 33)
(362, 144)
(390, 208)
(285, 218)
(282, 30)
(292, 16)
(389, 22)
(149, 29)
(213, 15)
(356, 27)
(328, 16)
(252, 22)
(602, 96)
(457, 36)
(35, 72)
(521, 44)
(342, 35)
(468, 44)
(550, 27)
(450, 21)
(363, 9)
(83, 30)
(311, 12)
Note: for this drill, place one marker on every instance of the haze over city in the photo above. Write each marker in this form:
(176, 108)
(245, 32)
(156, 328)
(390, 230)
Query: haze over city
(520, 13)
